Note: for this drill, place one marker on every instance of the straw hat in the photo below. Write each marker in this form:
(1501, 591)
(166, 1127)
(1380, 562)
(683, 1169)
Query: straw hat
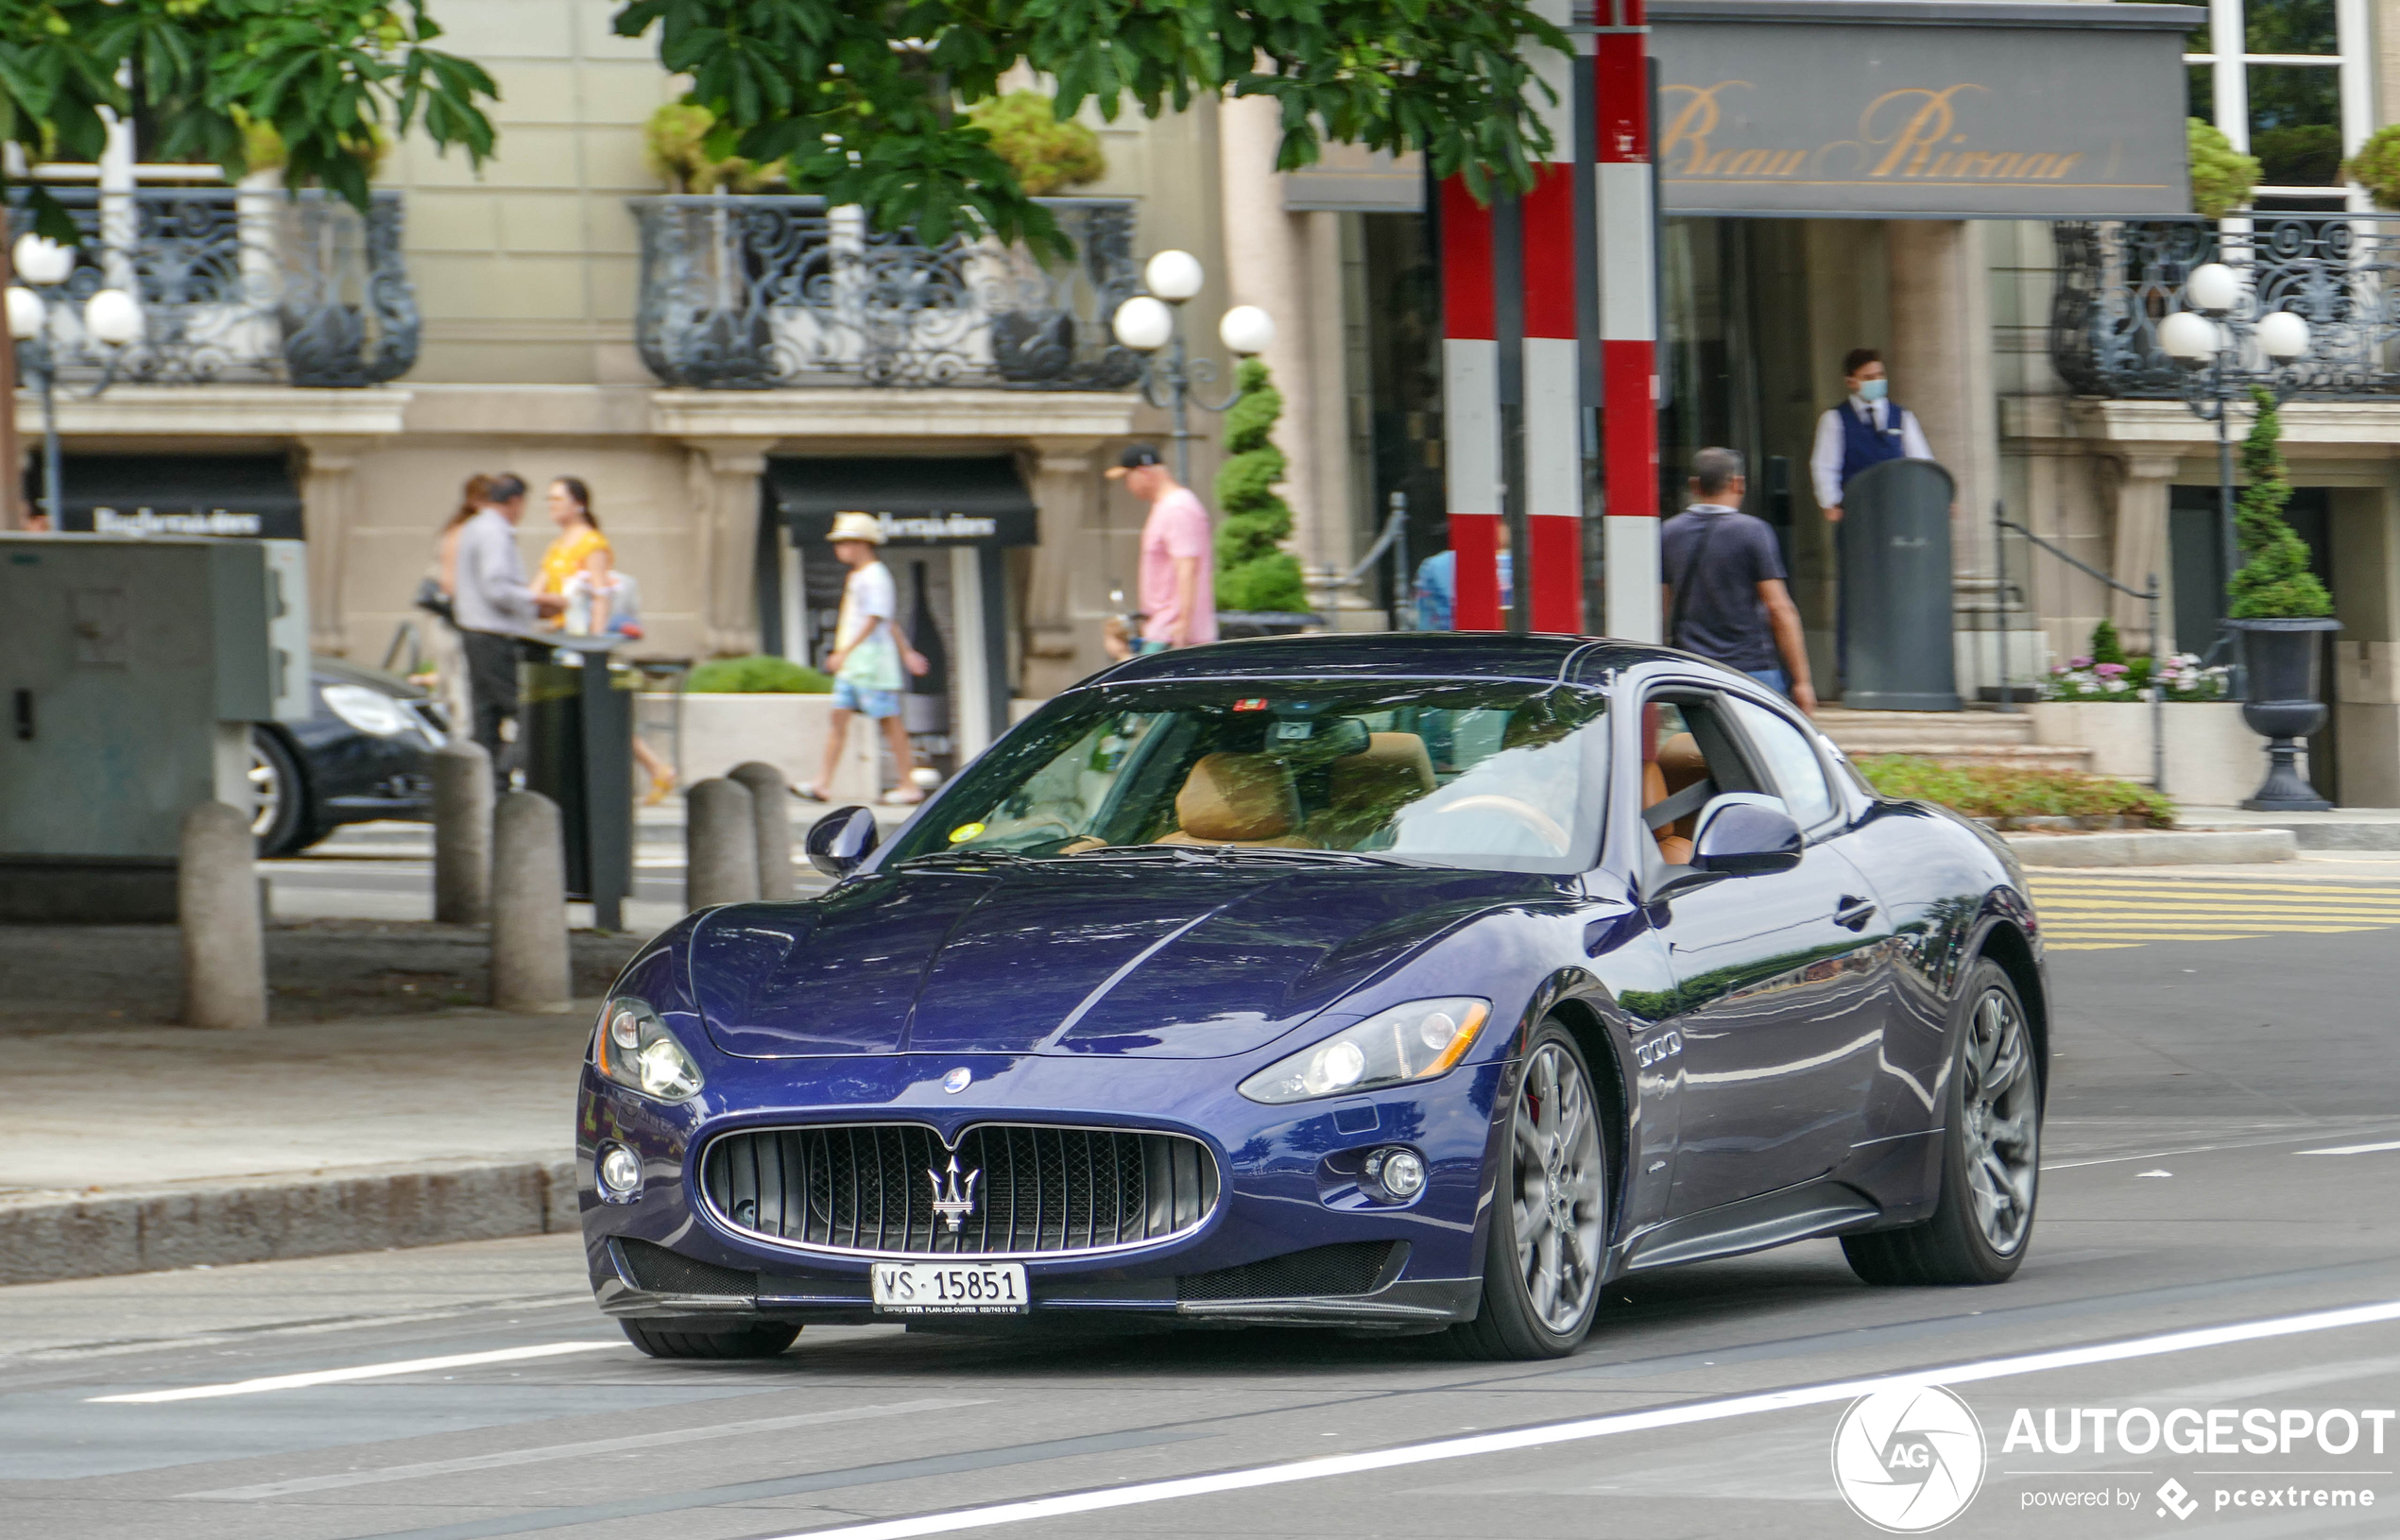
(857, 526)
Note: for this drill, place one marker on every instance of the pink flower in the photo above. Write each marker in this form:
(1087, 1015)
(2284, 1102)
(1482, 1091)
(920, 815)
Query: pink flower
(2109, 670)
(2079, 662)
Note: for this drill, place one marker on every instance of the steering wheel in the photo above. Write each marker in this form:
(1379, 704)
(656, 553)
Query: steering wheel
(1541, 823)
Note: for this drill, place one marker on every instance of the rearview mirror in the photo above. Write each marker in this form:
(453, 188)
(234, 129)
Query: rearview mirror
(1744, 833)
(838, 842)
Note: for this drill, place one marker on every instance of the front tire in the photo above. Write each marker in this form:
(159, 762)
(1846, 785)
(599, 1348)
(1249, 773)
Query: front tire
(278, 796)
(765, 1339)
(1550, 1219)
(1982, 1222)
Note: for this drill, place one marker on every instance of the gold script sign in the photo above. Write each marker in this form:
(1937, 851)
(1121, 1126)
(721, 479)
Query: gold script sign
(1912, 134)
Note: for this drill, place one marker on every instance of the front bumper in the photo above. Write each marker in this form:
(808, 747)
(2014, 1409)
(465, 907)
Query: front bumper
(1297, 1236)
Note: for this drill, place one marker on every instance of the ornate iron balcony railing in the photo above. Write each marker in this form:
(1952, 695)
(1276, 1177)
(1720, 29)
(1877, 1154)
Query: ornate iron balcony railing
(751, 292)
(2118, 279)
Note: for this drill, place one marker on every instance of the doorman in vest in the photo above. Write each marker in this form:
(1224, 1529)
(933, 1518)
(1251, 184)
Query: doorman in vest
(1865, 430)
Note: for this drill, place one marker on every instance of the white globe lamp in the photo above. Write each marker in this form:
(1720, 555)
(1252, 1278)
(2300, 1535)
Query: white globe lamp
(2212, 287)
(1143, 324)
(1173, 276)
(2283, 336)
(2190, 339)
(26, 312)
(1246, 331)
(113, 317)
(43, 260)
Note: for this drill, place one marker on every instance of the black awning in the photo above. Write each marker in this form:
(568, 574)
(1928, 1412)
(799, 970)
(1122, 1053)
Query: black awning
(920, 500)
(250, 495)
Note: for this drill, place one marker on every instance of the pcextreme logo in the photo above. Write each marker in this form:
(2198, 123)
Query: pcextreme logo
(1908, 1459)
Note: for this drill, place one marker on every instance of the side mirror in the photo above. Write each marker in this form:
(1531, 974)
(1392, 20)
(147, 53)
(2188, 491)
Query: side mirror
(1741, 834)
(838, 842)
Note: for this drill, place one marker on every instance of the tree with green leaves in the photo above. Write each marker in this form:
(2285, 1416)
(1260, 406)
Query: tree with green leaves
(1254, 572)
(2274, 581)
(863, 96)
(212, 80)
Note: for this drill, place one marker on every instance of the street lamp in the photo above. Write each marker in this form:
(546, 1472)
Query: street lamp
(110, 318)
(1148, 322)
(2204, 340)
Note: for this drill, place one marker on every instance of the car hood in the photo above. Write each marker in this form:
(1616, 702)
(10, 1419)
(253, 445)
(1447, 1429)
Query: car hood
(1096, 957)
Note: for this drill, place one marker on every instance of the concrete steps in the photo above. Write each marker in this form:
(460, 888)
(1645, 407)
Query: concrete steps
(1998, 738)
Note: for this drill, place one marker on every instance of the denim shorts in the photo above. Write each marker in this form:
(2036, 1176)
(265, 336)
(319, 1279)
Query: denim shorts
(875, 704)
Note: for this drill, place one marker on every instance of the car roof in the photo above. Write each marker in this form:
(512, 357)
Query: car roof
(1372, 655)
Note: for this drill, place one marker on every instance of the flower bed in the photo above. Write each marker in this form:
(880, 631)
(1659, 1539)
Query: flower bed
(2082, 678)
(2020, 798)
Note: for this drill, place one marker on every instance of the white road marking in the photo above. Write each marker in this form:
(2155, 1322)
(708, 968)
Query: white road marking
(2354, 1149)
(1590, 1428)
(362, 1371)
(568, 1451)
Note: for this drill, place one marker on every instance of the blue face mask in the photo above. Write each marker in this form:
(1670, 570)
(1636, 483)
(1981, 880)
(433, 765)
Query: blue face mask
(1873, 389)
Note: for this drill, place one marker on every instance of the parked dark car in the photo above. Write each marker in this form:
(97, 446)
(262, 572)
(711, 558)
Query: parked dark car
(360, 755)
(1398, 984)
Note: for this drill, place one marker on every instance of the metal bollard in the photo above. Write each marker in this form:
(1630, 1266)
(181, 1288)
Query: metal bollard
(721, 845)
(530, 970)
(217, 904)
(462, 833)
(771, 803)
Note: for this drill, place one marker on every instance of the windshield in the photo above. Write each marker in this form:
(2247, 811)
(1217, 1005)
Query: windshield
(1494, 774)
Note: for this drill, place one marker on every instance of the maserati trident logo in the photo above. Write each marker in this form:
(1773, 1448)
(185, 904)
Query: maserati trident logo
(953, 1199)
(957, 1079)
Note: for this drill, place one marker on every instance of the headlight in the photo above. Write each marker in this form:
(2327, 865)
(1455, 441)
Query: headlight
(634, 1048)
(368, 711)
(1415, 1041)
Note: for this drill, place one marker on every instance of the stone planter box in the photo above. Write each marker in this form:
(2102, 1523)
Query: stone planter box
(787, 731)
(2213, 758)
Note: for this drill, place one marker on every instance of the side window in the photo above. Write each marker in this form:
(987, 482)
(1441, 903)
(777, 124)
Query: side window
(1687, 757)
(1792, 762)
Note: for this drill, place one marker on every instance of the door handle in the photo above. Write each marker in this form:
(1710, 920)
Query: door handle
(1853, 914)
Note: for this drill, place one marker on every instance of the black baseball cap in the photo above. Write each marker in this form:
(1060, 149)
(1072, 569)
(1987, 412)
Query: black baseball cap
(1133, 458)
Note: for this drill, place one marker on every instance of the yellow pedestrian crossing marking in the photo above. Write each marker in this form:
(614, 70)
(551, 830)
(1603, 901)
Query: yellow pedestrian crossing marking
(2107, 913)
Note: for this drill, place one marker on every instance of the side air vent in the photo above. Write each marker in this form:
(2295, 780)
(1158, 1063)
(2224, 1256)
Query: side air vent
(664, 1272)
(1349, 1268)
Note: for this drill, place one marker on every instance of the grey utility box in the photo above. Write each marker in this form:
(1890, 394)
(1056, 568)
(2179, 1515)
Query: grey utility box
(1895, 587)
(133, 671)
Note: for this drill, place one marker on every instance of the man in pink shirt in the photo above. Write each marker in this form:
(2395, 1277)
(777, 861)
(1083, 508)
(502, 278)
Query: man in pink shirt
(1178, 558)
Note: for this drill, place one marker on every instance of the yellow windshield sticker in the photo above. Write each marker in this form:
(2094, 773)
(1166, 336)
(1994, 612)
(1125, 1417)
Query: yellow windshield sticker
(965, 832)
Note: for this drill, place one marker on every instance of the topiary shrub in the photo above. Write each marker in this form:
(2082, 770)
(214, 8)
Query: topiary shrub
(1253, 571)
(758, 674)
(2274, 581)
(2221, 175)
(1045, 152)
(2376, 166)
(2107, 647)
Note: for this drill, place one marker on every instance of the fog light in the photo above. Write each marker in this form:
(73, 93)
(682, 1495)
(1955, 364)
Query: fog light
(620, 1171)
(1400, 1172)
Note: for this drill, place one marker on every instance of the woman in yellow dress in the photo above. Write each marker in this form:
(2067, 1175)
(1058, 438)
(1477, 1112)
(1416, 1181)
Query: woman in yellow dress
(580, 551)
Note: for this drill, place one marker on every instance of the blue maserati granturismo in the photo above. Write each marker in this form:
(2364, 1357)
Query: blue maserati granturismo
(1398, 984)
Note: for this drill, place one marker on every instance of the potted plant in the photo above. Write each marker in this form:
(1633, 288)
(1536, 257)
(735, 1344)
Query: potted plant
(2100, 701)
(2281, 609)
(1260, 590)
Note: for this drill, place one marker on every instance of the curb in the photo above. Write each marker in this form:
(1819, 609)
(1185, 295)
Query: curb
(2156, 848)
(46, 1237)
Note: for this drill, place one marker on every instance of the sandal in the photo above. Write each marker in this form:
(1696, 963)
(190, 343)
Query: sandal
(902, 796)
(806, 791)
(660, 787)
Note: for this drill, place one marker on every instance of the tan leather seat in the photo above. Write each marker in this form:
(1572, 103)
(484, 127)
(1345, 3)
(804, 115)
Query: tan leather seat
(1679, 764)
(1363, 789)
(1239, 799)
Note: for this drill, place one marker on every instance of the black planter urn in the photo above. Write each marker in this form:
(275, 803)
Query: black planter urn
(2284, 705)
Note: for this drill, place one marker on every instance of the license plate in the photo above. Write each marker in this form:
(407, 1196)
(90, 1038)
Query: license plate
(950, 1288)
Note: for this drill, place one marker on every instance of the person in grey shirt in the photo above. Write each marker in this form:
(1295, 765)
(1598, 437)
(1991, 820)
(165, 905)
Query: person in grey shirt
(495, 606)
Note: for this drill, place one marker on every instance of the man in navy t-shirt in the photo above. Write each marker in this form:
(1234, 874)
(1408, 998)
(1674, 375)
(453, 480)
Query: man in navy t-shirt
(1726, 597)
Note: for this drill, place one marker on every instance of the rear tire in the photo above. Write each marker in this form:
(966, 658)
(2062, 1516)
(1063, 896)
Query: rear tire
(280, 796)
(1550, 1216)
(766, 1340)
(1982, 1222)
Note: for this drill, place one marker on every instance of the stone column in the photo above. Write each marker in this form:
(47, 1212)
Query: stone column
(1267, 261)
(329, 512)
(1072, 569)
(2138, 548)
(723, 475)
(1941, 366)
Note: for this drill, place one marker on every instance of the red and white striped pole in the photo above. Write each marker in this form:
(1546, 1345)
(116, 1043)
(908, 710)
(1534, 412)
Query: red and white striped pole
(1470, 408)
(1628, 319)
(1553, 459)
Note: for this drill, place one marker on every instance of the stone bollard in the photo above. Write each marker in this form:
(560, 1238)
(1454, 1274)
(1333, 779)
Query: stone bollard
(720, 845)
(771, 804)
(462, 833)
(217, 902)
(530, 970)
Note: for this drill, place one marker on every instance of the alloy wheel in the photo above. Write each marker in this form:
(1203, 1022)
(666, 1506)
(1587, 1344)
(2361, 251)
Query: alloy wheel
(266, 791)
(2003, 1126)
(1559, 1197)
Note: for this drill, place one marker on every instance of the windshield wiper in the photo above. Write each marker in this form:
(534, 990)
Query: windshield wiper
(1232, 852)
(969, 858)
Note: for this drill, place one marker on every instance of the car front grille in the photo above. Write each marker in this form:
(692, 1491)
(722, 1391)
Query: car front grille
(1028, 1189)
